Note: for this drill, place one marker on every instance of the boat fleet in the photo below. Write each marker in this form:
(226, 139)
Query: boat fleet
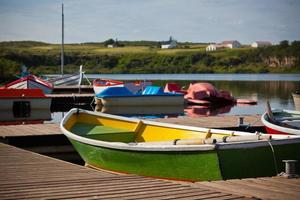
(132, 145)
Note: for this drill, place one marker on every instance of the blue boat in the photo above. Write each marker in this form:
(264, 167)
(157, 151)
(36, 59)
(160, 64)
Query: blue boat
(150, 96)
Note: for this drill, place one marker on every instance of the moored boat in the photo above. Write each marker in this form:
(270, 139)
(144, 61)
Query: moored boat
(150, 96)
(143, 110)
(101, 84)
(206, 94)
(296, 98)
(34, 116)
(30, 82)
(282, 121)
(172, 151)
(23, 99)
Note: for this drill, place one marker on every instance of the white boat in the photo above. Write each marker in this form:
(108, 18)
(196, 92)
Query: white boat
(69, 79)
(23, 99)
(101, 84)
(34, 116)
(151, 96)
(282, 122)
(31, 82)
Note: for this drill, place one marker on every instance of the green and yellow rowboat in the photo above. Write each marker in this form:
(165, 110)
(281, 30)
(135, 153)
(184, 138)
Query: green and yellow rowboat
(147, 148)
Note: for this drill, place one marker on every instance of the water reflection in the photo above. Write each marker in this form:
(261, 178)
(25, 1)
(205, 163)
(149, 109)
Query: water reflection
(205, 111)
(142, 110)
(279, 93)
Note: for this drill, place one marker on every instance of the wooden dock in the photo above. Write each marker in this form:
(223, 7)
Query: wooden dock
(30, 130)
(224, 122)
(27, 175)
(262, 188)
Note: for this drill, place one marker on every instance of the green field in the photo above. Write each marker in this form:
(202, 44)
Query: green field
(147, 57)
(88, 49)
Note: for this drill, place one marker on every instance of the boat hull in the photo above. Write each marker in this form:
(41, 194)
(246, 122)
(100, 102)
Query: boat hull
(169, 165)
(142, 110)
(273, 128)
(35, 103)
(18, 98)
(31, 83)
(66, 80)
(150, 148)
(99, 85)
(142, 100)
(192, 166)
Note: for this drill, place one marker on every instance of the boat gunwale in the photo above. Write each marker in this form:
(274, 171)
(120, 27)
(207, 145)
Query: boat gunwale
(32, 78)
(282, 139)
(277, 127)
(115, 82)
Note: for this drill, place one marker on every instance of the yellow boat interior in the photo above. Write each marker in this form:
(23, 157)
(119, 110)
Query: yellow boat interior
(132, 130)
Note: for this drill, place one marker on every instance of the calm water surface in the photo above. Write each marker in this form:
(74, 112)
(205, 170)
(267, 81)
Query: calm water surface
(203, 77)
(276, 88)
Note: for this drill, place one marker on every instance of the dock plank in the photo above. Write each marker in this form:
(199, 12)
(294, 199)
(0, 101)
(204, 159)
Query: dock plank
(30, 130)
(262, 188)
(226, 121)
(27, 175)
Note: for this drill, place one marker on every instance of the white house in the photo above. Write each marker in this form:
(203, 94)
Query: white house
(111, 46)
(169, 44)
(261, 44)
(225, 44)
(214, 47)
(231, 44)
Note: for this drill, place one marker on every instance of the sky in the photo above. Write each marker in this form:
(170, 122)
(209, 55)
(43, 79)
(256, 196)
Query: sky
(184, 20)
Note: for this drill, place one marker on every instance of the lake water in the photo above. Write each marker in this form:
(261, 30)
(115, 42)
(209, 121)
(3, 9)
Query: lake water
(200, 77)
(275, 88)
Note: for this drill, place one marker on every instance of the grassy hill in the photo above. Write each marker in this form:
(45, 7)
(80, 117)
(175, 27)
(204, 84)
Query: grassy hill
(146, 57)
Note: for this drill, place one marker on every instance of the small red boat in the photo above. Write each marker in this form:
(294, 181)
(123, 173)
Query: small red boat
(281, 121)
(174, 87)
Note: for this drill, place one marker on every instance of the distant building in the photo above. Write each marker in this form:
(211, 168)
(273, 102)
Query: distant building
(231, 44)
(111, 45)
(225, 44)
(261, 44)
(214, 47)
(169, 44)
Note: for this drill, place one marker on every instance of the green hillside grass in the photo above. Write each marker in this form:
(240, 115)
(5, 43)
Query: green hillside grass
(144, 57)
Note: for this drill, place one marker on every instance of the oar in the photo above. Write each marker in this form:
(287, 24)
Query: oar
(245, 138)
(197, 141)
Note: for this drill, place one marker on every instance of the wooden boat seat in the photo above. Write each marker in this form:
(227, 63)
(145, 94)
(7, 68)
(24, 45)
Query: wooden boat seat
(103, 133)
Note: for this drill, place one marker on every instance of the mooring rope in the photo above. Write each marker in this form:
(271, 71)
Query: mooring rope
(251, 124)
(274, 157)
